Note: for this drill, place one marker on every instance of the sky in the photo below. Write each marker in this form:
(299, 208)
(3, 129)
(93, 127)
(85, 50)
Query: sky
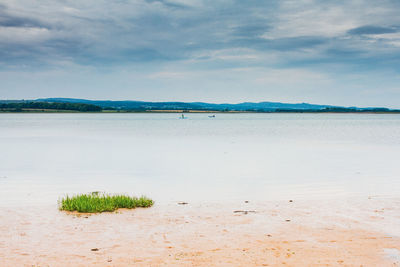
(343, 52)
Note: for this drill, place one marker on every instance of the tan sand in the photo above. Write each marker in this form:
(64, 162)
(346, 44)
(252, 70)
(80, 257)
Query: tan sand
(357, 232)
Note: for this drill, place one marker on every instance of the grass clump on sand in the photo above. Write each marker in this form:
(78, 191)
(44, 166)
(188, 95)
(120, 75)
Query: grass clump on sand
(100, 202)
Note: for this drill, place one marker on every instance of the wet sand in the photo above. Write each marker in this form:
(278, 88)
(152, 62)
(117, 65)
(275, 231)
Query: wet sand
(346, 232)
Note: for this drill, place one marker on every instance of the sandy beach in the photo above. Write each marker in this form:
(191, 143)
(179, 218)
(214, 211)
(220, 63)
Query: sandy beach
(330, 232)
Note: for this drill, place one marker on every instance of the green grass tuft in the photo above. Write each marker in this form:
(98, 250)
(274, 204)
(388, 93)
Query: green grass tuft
(100, 202)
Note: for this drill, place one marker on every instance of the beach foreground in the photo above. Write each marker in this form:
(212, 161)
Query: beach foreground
(348, 232)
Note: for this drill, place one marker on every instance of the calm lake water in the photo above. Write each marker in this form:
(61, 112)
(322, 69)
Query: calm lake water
(230, 157)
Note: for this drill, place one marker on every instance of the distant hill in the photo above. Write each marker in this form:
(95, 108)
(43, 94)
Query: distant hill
(141, 105)
(201, 106)
(245, 106)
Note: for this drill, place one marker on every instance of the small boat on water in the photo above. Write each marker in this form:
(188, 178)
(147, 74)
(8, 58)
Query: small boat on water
(212, 116)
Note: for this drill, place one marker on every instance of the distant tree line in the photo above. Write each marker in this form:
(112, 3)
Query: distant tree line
(18, 107)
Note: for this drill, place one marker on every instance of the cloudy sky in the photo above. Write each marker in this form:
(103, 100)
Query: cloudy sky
(343, 52)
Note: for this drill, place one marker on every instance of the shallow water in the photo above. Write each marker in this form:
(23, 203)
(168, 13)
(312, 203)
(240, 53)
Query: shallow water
(232, 156)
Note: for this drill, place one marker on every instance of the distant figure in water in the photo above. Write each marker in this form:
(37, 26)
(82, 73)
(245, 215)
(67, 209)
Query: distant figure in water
(211, 116)
(183, 116)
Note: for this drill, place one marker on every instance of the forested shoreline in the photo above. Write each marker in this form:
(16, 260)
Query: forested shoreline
(47, 106)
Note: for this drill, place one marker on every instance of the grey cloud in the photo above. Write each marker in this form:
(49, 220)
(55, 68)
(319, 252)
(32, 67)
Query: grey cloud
(297, 42)
(168, 4)
(123, 56)
(252, 30)
(343, 53)
(152, 33)
(281, 44)
(371, 29)
(162, 30)
(9, 20)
